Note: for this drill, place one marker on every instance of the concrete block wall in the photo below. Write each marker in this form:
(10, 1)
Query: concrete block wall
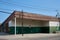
(54, 26)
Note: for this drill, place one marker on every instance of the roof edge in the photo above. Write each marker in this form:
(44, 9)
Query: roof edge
(8, 17)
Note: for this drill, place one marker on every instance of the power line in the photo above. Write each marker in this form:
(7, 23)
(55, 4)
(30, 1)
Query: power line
(6, 9)
(5, 12)
(25, 6)
(17, 5)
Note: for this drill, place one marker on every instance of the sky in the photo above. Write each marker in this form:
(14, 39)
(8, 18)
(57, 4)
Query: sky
(45, 7)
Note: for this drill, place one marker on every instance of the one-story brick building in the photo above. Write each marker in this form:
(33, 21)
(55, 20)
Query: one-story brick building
(30, 23)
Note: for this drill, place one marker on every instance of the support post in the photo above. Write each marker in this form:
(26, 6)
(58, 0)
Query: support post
(15, 25)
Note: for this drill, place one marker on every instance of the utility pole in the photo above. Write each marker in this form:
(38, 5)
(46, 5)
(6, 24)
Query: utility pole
(57, 15)
(22, 22)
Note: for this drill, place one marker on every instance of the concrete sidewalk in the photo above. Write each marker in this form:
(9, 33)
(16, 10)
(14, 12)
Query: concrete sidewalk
(37, 35)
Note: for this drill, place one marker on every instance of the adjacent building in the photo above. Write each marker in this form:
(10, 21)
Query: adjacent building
(0, 27)
(24, 22)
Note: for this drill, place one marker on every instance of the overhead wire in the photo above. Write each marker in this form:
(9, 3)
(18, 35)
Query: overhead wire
(5, 12)
(6, 9)
(25, 6)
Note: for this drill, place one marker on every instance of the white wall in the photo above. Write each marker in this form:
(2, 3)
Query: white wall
(53, 23)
